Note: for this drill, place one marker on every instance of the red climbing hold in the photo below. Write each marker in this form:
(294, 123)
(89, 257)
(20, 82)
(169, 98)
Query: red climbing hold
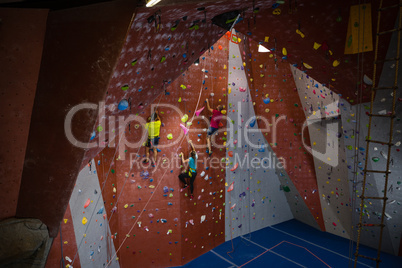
(235, 167)
(87, 203)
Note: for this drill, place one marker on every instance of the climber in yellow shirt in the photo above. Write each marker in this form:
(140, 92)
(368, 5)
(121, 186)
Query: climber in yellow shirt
(153, 127)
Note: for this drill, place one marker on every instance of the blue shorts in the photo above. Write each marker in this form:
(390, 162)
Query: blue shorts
(211, 131)
(152, 142)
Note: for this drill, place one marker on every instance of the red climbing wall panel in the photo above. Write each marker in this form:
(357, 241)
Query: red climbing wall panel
(267, 80)
(326, 24)
(157, 228)
(209, 195)
(20, 53)
(80, 48)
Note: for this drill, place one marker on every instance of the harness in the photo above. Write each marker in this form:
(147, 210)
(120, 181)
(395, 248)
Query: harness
(191, 171)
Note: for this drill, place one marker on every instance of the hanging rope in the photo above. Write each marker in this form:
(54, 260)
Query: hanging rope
(357, 128)
(157, 186)
(103, 187)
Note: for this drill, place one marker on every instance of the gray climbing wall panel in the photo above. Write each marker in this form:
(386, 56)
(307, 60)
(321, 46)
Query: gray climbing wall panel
(257, 199)
(320, 106)
(94, 249)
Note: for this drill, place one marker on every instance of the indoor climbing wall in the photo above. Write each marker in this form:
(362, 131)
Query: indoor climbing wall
(355, 122)
(161, 43)
(321, 109)
(207, 210)
(152, 222)
(314, 33)
(255, 197)
(164, 40)
(275, 98)
(90, 219)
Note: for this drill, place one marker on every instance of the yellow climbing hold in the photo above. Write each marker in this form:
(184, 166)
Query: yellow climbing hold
(184, 118)
(266, 39)
(225, 67)
(84, 220)
(244, 64)
(223, 111)
(300, 33)
(284, 51)
(179, 99)
(126, 206)
(307, 66)
(335, 63)
(316, 45)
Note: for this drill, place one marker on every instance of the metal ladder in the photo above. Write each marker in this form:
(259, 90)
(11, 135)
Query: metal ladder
(369, 141)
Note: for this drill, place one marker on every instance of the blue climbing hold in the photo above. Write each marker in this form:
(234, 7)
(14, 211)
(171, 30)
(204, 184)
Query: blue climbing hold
(252, 123)
(267, 100)
(123, 105)
(93, 135)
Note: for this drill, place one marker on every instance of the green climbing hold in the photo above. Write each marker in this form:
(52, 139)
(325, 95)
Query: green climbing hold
(124, 88)
(375, 159)
(230, 21)
(163, 59)
(134, 62)
(112, 171)
(286, 189)
(296, 105)
(99, 128)
(350, 39)
(350, 147)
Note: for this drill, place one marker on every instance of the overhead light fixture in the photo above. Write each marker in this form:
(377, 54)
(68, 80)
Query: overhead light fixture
(197, 62)
(151, 3)
(263, 49)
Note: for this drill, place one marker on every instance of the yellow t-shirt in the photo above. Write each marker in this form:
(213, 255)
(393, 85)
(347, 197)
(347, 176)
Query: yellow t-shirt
(153, 129)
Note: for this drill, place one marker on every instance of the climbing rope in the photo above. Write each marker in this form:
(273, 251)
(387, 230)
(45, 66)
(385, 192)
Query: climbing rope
(103, 187)
(356, 132)
(156, 187)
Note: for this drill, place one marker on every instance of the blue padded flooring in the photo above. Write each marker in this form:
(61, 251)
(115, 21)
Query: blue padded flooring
(289, 244)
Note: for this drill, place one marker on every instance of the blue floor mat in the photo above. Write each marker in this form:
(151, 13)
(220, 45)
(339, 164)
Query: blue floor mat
(289, 244)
